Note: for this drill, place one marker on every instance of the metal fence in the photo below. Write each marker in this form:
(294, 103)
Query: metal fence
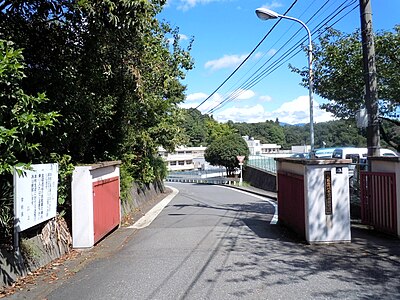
(262, 162)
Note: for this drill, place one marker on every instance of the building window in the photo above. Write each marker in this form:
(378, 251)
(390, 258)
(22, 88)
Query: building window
(181, 162)
(181, 152)
(188, 152)
(189, 162)
(172, 163)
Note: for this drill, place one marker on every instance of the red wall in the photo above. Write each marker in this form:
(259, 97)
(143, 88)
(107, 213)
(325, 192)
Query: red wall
(106, 207)
(291, 201)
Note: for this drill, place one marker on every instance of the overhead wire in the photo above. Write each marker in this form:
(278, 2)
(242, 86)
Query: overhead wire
(273, 45)
(268, 70)
(239, 90)
(255, 79)
(248, 56)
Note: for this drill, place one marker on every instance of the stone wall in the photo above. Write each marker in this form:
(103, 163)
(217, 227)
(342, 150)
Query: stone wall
(38, 246)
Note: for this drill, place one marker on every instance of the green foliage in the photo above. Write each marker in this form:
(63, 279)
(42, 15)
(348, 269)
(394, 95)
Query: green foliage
(339, 71)
(339, 75)
(268, 132)
(201, 130)
(149, 171)
(6, 209)
(22, 123)
(65, 170)
(223, 151)
(194, 125)
(110, 71)
(217, 130)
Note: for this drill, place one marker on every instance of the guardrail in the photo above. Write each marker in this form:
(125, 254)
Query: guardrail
(230, 181)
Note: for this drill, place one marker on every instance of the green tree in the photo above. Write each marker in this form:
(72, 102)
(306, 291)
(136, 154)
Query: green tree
(194, 124)
(22, 125)
(111, 71)
(223, 151)
(338, 73)
(217, 130)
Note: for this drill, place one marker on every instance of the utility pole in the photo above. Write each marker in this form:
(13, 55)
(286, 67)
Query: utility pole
(371, 94)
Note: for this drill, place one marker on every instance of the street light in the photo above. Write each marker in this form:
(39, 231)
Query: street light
(266, 14)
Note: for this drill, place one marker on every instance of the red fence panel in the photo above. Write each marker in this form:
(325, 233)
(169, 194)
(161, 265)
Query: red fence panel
(291, 201)
(378, 201)
(106, 206)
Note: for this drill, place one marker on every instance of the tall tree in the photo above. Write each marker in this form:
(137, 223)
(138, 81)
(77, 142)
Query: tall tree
(111, 71)
(339, 73)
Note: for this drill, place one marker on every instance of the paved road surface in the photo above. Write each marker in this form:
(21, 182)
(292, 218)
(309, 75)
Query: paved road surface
(212, 242)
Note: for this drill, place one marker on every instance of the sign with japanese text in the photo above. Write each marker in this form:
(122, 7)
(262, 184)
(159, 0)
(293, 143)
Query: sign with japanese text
(328, 192)
(35, 195)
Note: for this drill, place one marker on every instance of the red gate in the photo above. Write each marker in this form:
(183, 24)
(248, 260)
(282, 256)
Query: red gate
(378, 201)
(106, 206)
(291, 201)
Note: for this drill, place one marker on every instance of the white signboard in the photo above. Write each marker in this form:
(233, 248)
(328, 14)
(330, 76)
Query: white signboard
(35, 195)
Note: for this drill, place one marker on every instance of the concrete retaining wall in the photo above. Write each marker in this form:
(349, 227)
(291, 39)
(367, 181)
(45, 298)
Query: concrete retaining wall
(141, 196)
(260, 178)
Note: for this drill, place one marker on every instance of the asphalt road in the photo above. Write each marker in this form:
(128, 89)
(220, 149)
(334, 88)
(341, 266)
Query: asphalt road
(212, 242)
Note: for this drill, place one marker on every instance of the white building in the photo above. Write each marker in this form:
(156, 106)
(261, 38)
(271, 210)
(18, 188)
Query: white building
(256, 148)
(184, 158)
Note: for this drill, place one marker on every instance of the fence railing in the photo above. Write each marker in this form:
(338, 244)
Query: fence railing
(262, 162)
(378, 201)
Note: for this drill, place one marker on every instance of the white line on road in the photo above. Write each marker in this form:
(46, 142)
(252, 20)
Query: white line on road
(154, 212)
(274, 218)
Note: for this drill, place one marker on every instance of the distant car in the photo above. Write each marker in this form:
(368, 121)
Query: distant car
(300, 155)
(324, 152)
(358, 153)
(358, 156)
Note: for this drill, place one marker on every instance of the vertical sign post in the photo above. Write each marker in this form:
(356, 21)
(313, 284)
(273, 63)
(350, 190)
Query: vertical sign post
(241, 160)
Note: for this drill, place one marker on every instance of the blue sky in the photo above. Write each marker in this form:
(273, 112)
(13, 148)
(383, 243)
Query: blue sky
(226, 31)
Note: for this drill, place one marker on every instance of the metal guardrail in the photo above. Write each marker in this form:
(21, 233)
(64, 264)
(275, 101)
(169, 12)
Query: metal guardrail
(211, 176)
(230, 181)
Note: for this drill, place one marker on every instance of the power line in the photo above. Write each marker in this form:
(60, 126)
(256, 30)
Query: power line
(239, 90)
(255, 79)
(248, 56)
(268, 70)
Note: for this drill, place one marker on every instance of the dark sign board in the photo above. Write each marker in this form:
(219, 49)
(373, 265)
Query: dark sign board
(328, 192)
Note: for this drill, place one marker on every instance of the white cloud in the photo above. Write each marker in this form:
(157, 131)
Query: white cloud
(182, 37)
(265, 98)
(272, 5)
(243, 94)
(249, 114)
(270, 52)
(227, 61)
(196, 97)
(193, 100)
(188, 4)
(293, 112)
(232, 61)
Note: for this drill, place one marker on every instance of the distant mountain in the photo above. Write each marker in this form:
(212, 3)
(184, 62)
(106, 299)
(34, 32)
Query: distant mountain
(287, 124)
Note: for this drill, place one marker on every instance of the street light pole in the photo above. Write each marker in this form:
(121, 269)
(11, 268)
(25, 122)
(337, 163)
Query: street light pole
(267, 14)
